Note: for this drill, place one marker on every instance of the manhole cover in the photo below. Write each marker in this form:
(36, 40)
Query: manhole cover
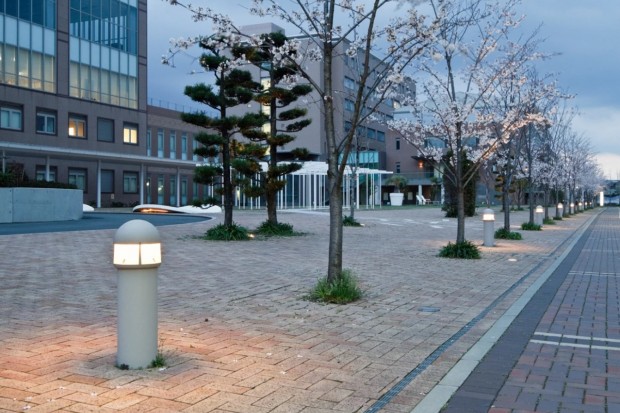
(428, 309)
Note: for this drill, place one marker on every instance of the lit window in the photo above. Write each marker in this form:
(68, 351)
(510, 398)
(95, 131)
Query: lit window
(10, 118)
(46, 123)
(130, 134)
(77, 126)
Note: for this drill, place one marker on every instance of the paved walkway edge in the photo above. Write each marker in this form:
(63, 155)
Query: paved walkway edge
(436, 399)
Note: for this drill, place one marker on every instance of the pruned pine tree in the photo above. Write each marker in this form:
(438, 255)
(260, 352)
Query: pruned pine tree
(233, 87)
(282, 118)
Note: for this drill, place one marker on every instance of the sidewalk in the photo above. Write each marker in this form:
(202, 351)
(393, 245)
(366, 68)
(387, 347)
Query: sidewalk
(562, 353)
(235, 331)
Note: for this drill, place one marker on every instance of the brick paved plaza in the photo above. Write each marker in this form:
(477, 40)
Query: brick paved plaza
(237, 335)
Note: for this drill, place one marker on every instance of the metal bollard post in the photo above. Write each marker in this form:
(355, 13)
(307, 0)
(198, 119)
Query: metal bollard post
(137, 255)
(559, 212)
(538, 215)
(488, 220)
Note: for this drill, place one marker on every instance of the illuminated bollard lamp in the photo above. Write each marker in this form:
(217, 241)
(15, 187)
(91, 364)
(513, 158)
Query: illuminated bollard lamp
(571, 208)
(559, 212)
(137, 255)
(488, 223)
(538, 215)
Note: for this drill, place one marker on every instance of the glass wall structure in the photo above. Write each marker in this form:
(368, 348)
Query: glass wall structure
(28, 43)
(103, 50)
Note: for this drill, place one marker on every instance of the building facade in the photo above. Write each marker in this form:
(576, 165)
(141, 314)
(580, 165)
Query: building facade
(73, 103)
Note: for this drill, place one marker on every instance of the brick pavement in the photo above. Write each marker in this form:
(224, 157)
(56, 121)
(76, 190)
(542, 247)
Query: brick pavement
(562, 353)
(233, 326)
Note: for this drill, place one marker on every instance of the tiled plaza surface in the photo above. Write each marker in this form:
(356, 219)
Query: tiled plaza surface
(234, 328)
(563, 350)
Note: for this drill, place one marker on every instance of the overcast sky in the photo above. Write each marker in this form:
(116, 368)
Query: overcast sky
(586, 34)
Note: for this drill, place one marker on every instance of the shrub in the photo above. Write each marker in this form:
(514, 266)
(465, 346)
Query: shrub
(503, 233)
(349, 221)
(528, 226)
(270, 229)
(548, 221)
(557, 218)
(222, 232)
(342, 291)
(465, 249)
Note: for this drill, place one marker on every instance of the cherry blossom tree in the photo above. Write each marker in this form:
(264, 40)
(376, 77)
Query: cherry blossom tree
(474, 58)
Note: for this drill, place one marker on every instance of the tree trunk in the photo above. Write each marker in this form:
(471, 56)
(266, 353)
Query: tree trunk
(506, 201)
(530, 192)
(270, 194)
(228, 189)
(334, 269)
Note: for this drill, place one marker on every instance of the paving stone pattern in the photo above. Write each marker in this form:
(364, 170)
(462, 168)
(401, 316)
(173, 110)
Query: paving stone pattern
(234, 328)
(571, 363)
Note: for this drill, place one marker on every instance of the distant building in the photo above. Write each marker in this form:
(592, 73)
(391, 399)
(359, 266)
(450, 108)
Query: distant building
(73, 103)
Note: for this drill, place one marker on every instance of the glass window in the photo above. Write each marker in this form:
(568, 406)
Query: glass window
(349, 105)
(160, 189)
(173, 145)
(130, 182)
(148, 143)
(46, 122)
(184, 146)
(380, 136)
(183, 191)
(77, 177)
(370, 133)
(130, 133)
(77, 126)
(107, 181)
(397, 144)
(397, 167)
(40, 173)
(160, 143)
(10, 117)
(173, 191)
(105, 130)
(349, 83)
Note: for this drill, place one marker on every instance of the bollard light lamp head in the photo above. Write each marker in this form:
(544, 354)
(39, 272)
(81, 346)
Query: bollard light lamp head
(137, 245)
(539, 209)
(488, 215)
(560, 206)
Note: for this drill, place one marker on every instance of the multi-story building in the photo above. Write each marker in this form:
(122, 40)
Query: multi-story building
(73, 103)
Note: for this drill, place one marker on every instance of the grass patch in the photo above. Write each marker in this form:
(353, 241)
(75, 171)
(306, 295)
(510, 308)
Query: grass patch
(548, 221)
(465, 250)
(270, 229)
(349, 221)
(503, 233)
(158, 362)
(223, 232)
(342, 291)
(528, 226)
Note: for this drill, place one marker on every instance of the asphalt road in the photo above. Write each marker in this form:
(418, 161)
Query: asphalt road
(97, 221)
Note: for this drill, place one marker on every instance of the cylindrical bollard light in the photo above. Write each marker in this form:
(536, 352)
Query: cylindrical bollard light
(137, 255)
(488, 223)
(571, 208)
(538, 215)
(559, 212)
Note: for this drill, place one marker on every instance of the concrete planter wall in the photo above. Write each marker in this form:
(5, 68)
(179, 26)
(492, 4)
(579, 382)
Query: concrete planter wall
(40, 204)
